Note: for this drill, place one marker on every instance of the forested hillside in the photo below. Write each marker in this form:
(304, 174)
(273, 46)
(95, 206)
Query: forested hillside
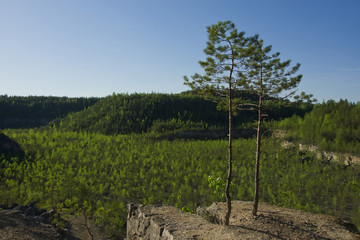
(331, 126)
(33, 111)
(124, 113)
(138, 113)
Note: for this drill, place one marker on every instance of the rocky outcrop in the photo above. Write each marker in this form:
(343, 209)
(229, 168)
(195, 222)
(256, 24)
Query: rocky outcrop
(156, 222)
(164, 222)
(338, 157)
(347, 158)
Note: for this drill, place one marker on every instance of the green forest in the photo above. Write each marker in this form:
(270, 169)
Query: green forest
(331, 126)
(35, 111)
(97, 155)
(129, 113)
(139, 113)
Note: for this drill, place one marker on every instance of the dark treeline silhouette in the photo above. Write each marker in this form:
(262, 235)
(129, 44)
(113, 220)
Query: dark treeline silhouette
(35, 111)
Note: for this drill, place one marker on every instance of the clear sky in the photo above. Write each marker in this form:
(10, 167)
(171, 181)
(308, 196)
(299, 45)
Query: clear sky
(83, 48)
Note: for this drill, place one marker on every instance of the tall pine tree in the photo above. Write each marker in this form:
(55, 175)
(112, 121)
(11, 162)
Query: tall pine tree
(268, 77)
(227, 51)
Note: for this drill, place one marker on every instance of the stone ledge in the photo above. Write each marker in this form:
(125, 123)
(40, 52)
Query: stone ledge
(163, 222)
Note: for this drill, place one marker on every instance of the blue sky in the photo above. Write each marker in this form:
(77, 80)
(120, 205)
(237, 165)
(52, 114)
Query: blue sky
(94, 48)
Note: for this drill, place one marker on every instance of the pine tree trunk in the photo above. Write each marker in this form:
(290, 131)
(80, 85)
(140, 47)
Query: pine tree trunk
(257, 165)
(230, 161)
(257, 160)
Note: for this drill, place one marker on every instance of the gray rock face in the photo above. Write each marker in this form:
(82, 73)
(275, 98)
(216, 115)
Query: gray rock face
(158, 222)
(142, 224)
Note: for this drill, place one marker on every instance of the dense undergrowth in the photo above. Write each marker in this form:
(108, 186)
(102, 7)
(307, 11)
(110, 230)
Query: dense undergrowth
(98, 174)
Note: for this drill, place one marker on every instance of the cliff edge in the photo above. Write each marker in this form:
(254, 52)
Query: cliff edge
(164, 222)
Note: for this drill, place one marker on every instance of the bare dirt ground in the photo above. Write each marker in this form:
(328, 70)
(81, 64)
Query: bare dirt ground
(278, 223)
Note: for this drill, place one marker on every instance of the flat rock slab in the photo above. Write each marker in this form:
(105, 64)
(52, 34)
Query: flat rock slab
(164, 222)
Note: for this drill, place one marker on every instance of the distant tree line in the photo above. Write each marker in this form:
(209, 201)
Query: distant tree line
(129, 113)
(34, 111)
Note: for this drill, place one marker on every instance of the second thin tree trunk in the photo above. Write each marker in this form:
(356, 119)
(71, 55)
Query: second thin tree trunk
(230, 160)
(257, 160)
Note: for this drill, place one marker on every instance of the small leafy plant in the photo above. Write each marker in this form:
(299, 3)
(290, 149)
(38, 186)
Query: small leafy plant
(217, 186)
